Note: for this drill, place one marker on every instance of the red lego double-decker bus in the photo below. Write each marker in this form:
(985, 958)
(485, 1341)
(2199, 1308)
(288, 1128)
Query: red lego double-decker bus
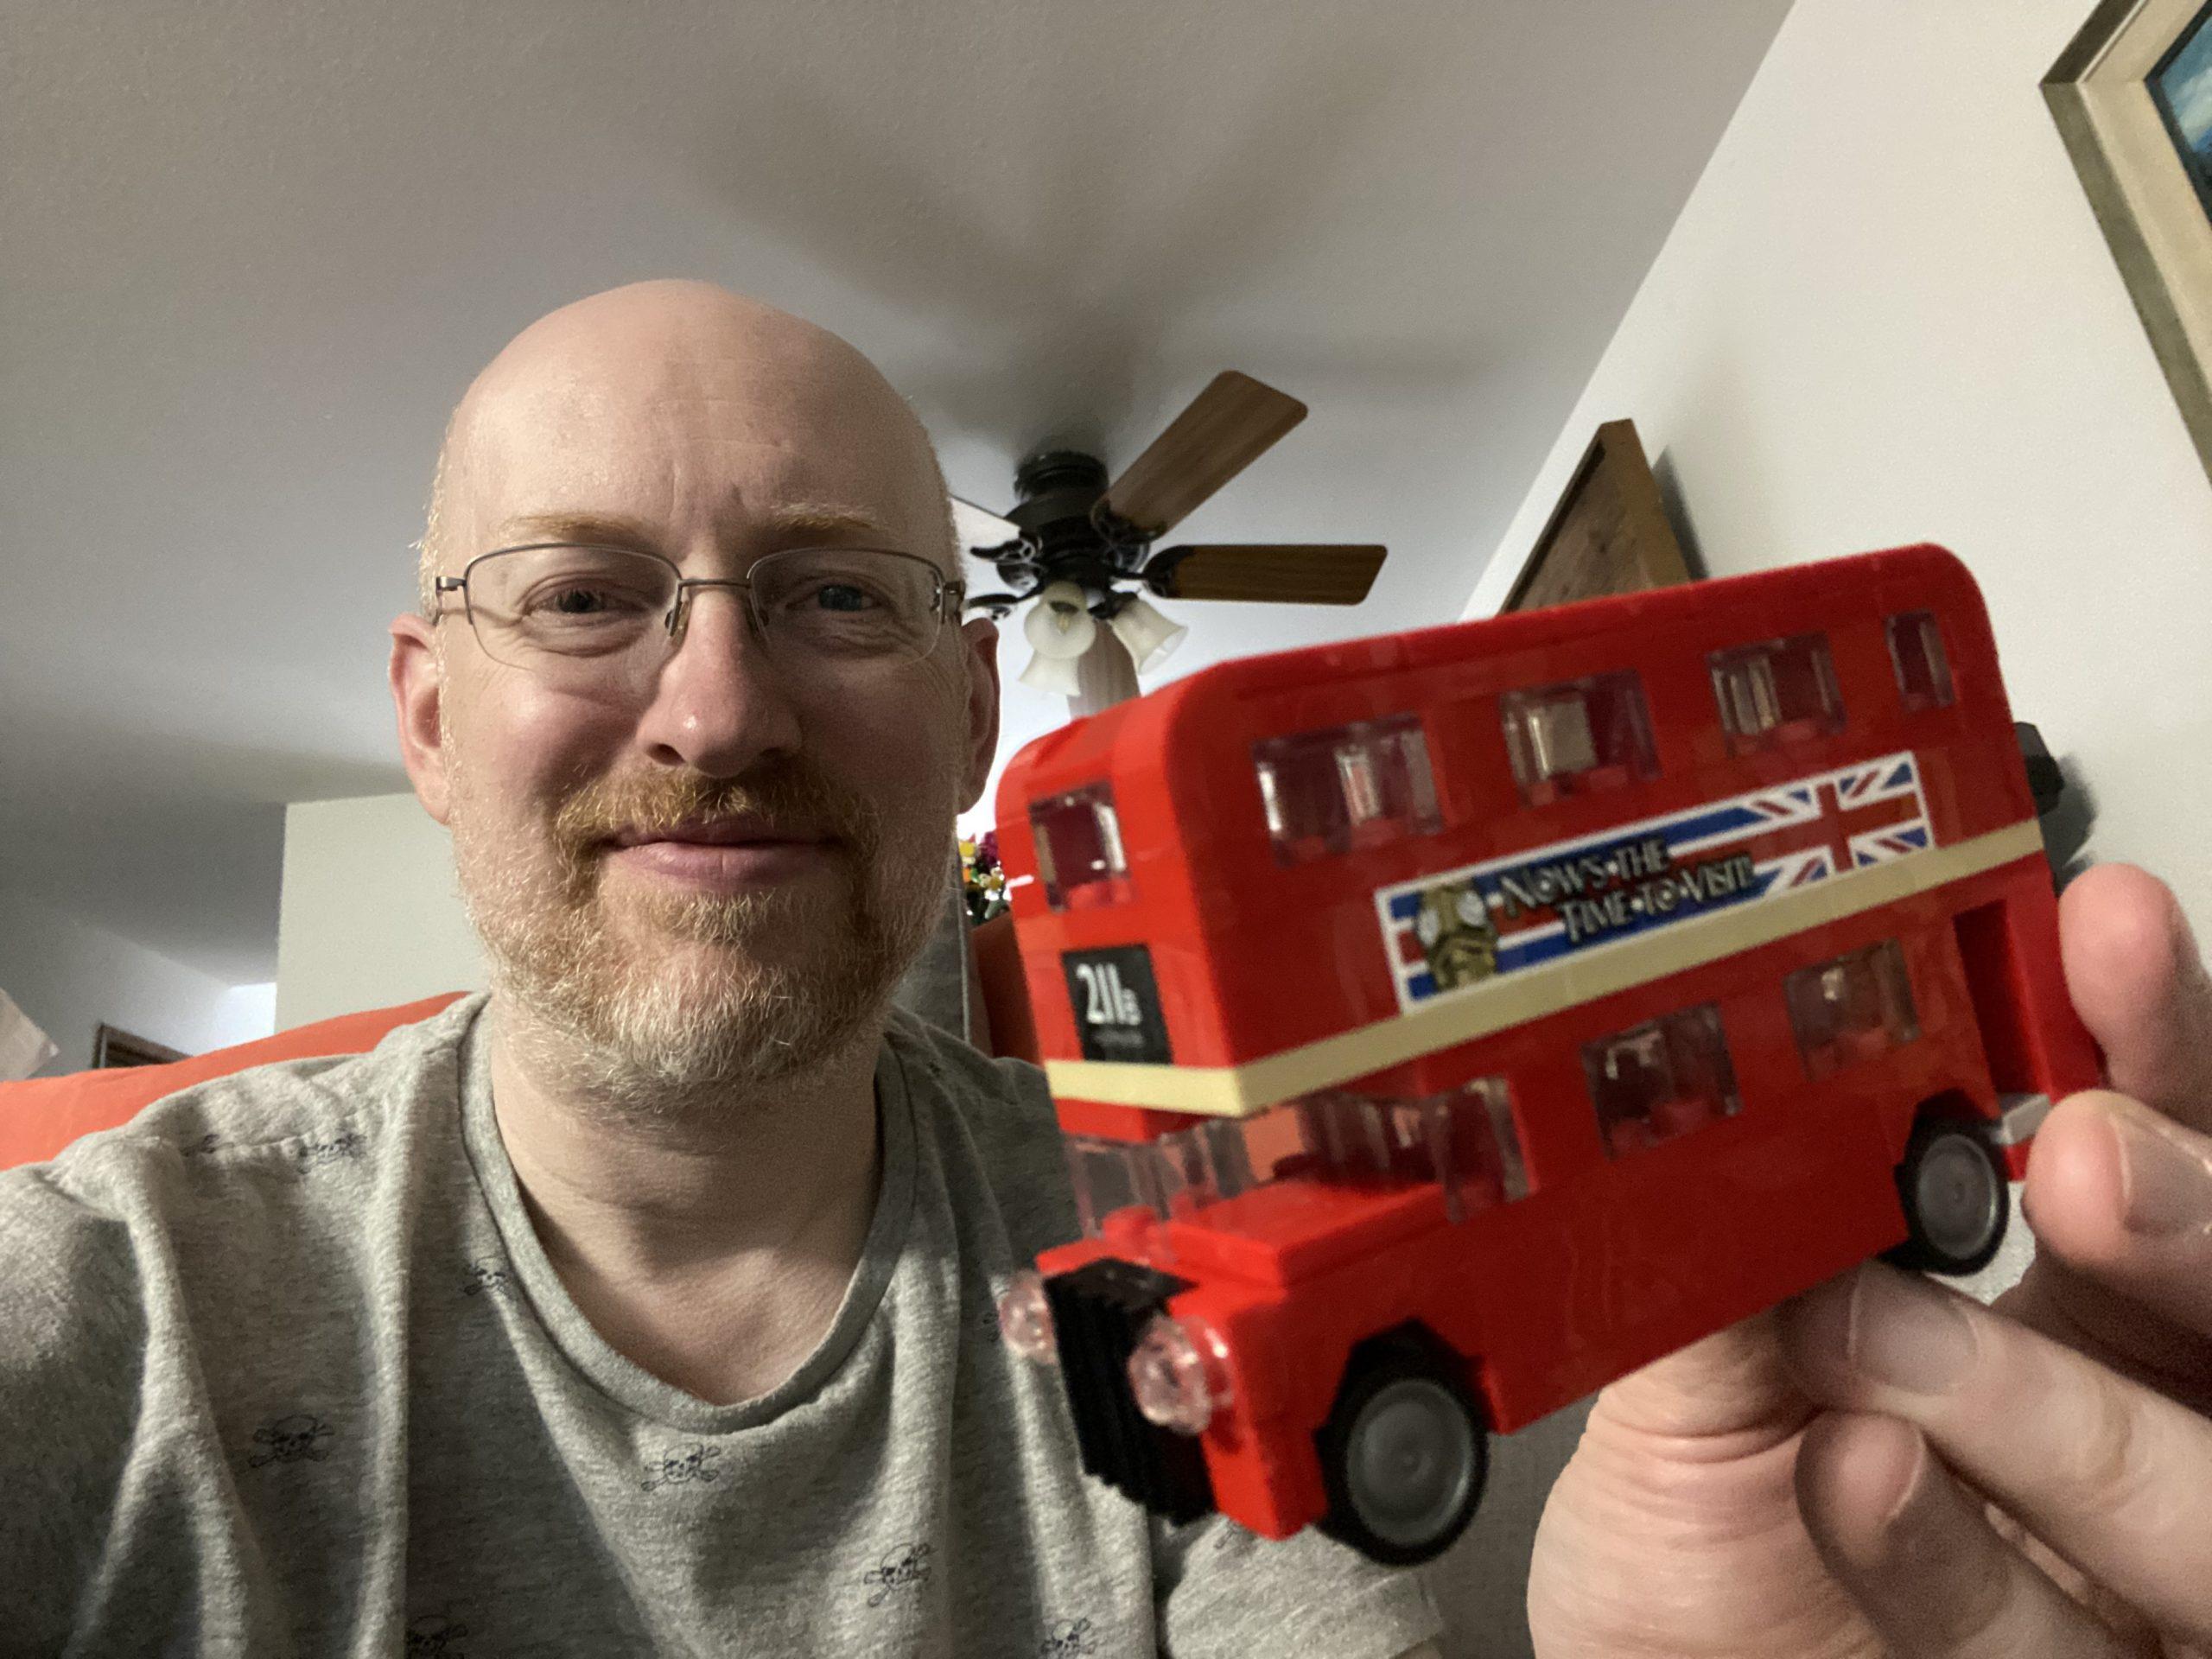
(1445, 1024)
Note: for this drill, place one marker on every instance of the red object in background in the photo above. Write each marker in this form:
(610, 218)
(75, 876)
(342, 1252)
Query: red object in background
(39, 1118)
(1445, 1024)
(1006, 1000)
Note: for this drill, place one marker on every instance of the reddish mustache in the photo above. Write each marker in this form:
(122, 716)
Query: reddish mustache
(785, 801)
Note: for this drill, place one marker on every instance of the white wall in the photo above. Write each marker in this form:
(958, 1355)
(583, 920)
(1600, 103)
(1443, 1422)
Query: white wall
(371, 914)
(244, 1013)
(70, 976)
(1886, 315)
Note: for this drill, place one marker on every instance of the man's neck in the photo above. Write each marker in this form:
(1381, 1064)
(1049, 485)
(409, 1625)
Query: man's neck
(710, 1244)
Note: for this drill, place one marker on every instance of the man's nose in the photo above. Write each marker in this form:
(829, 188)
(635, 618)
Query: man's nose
(719, 705)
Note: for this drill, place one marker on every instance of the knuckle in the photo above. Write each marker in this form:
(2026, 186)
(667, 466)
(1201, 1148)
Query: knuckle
(2106, 1473)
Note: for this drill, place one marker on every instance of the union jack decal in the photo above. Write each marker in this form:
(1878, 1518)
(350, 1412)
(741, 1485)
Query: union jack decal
(1447, 933)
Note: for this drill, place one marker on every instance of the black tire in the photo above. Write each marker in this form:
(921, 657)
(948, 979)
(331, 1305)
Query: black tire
(1957, 1203)
(1404, 1454)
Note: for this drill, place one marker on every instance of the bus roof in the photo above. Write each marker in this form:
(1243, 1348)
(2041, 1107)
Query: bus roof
(1798, 597)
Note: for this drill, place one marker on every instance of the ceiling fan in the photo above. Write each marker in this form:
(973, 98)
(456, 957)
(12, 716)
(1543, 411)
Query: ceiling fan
(1082, 548)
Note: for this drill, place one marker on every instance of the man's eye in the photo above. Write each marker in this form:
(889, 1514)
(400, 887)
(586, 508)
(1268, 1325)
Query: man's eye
(583, 601)
(842, 596)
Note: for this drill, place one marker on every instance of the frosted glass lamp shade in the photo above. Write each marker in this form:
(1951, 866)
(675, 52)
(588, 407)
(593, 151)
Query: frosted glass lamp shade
(1059, 624)
(1149, 636)
(1052, 674)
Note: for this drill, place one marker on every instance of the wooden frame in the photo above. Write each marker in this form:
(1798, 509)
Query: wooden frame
(112, 1047)
(1610, 533)
(2154, 213)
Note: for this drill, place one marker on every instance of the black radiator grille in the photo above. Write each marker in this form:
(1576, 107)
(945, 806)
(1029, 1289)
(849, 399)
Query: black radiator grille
(1099, 1313)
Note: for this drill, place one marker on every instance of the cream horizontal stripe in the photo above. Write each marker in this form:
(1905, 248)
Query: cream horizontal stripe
(1513, 1000)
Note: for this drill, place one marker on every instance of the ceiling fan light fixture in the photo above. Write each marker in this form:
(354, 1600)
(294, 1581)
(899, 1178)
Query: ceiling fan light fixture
(1149, 637)
(1059, 625)
(1054, 674)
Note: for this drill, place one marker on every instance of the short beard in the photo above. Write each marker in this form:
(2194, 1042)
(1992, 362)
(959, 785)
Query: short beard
(646, 1036)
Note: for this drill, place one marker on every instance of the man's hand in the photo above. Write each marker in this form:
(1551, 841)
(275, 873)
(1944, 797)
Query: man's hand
(1813, 1482)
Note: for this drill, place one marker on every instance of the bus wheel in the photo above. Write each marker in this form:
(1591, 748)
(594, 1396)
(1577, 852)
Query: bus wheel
(1403, 1455)
(1957, 1203)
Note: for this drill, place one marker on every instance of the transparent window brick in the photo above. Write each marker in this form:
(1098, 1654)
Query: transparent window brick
(1578, 737)
(1661, 1079)
(1079, 856)
(1852, 1009)
(1777, 692)
(1916, 652)
(1464, 1140)
(1345, 789)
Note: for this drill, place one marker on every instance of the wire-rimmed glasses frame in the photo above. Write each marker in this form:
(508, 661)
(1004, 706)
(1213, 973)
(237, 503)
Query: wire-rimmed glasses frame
(646, 603)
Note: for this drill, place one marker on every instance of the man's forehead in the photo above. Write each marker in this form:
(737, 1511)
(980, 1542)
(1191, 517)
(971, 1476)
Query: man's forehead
(772, 457)
(821, 416)
(791, 521)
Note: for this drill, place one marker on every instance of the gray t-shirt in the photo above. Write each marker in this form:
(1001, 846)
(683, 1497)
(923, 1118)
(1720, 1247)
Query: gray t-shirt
(283, 1370)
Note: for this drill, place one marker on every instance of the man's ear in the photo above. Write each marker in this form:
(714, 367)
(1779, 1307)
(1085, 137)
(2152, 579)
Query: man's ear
(417, 693)
(980, 640)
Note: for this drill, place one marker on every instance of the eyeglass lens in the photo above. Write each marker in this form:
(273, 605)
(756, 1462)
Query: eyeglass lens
(585, 613)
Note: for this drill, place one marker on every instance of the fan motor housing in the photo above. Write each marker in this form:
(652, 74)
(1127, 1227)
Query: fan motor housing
(1059, 491)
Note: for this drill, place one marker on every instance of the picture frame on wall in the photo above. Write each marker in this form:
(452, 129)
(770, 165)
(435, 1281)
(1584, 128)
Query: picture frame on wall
(1609, 533)
(2132, 97)
(113, 1047)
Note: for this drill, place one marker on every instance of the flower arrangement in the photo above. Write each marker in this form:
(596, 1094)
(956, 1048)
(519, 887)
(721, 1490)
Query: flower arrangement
(980, 878)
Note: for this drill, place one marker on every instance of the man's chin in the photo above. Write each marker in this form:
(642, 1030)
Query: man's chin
(696, 995)
(686, 1014)
(743, 971)
(781, 933)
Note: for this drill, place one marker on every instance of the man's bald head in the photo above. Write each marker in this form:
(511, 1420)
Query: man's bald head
(630, 354)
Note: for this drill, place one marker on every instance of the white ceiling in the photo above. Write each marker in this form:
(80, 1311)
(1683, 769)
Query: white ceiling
(251, 250)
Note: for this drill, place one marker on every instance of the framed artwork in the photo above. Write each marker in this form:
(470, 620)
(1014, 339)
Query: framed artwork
(2132, 97)
(1610, 533)
(113, 1047)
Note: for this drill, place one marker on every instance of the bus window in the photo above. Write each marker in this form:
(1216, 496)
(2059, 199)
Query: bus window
(1777, 692)
(1850, 1009)
(1349, 788)
(1578, 737)
(1660, 1079)
(1079, 848)
(1110, 1176)
(1923, 672)
(1463, 1139)
(1475, 1144)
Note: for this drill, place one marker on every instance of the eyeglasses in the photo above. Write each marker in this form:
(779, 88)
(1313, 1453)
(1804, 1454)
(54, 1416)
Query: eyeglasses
(607, 618)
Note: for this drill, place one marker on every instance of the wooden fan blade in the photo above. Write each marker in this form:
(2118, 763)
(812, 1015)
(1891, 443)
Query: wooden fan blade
(979, 527)
(1226, 427)
(1313, 573)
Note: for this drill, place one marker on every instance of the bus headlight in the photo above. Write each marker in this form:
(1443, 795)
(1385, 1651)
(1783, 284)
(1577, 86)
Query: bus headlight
(1025, 1319)
(1176, 1381)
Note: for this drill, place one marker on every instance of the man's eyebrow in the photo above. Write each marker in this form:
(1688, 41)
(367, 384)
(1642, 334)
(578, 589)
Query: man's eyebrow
(602, 529)
(825, 518)
(801, 518)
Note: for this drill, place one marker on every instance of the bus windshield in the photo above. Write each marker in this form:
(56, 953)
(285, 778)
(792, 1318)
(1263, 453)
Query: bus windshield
(1463, 1140)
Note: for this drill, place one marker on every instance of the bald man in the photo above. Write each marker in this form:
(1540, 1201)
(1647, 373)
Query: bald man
(646, 1304)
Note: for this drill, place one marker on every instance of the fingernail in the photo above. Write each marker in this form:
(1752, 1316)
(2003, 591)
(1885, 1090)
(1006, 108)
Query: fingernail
(2164, 1190)
(1907, 1334)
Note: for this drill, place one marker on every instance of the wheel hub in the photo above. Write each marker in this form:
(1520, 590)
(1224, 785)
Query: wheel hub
(1960, 1201)
(1411, 1462)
